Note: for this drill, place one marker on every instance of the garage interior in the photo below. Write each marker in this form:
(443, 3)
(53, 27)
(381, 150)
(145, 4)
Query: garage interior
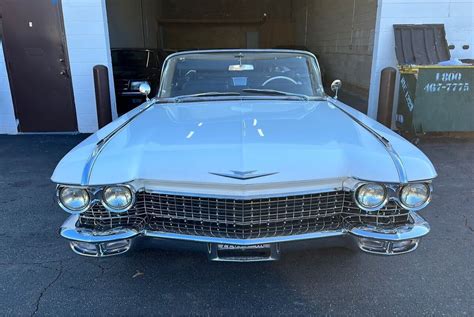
(339, 32)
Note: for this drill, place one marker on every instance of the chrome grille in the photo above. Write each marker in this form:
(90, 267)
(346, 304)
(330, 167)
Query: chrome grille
(243, 219)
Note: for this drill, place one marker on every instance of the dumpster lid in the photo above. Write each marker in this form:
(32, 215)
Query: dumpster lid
(421, 44)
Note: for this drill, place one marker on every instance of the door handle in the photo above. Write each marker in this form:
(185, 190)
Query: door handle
(64, 73)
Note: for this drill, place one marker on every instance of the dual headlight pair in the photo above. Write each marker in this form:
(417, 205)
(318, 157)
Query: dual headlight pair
(78, 199)
(373, 196)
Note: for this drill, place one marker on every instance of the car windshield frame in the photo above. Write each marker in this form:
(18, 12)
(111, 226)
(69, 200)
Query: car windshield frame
(313, 70)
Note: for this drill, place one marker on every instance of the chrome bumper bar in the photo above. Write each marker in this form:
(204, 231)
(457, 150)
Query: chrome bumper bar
(371, 239)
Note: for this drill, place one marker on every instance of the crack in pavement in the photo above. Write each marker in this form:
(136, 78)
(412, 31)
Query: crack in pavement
(38, 300)
(467, 225)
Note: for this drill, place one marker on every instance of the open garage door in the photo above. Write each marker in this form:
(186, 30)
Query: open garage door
(340, 33)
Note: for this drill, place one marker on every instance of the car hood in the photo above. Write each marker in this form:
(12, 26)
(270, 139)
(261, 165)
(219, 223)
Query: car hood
(203, 142)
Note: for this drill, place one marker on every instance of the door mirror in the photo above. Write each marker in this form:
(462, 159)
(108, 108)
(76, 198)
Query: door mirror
(144, 89)
(335, 86)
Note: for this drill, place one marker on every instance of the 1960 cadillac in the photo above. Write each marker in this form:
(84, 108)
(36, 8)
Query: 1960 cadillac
(242, 153)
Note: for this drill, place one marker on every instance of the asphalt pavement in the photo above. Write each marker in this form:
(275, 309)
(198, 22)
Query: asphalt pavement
(40, 275)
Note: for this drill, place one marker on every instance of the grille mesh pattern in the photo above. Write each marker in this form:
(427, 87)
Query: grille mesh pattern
(243, 219)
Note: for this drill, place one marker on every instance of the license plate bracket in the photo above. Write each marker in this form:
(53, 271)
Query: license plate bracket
(243, 253)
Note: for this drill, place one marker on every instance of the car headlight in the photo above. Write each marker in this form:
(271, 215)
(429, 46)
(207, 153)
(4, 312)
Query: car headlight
(135, 85)
(415, 196)
(371, 196)
(117, 198)
(74, 199)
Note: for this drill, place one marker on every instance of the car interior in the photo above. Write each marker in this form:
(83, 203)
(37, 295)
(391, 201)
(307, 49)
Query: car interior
(194, 76)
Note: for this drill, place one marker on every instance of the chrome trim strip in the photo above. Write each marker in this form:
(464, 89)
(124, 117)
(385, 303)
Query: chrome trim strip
(244, 191)
(417, 229)
(244, 242)
(402, 175)
(86, 173)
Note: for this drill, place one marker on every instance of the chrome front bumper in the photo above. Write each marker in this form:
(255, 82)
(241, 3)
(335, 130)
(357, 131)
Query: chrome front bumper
(370, 239)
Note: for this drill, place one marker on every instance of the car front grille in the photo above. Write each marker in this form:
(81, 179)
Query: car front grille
(242, 219)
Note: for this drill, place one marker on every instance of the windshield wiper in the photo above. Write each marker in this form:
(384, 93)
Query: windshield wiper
(274, 92)
(207, 94)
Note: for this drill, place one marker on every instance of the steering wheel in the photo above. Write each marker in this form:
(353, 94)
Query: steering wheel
(279, 77)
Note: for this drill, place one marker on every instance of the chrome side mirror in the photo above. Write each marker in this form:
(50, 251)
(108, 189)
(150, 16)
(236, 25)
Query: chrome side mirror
(145, 89)
(335, 86)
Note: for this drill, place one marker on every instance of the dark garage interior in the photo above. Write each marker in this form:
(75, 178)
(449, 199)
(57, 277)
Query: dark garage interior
(339, 33)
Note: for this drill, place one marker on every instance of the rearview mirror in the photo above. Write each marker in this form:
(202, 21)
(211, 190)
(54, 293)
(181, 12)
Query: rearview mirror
(335, 86)
(240, 67)
(144, 89)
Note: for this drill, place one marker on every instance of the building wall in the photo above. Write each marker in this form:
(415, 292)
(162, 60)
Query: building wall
(135, 23)
(341, 33)
(456, 15)
(87, 37)
(132, 23)
(277, 29)
(7, 115)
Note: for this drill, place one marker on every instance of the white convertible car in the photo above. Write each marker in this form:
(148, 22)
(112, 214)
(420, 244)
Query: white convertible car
(242, 153)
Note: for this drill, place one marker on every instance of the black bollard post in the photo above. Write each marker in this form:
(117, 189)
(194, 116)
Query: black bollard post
(102, 95)
(387, 92)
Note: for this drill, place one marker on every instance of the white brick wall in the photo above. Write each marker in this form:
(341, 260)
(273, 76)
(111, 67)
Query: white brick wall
(456, 15)
(85, 23)
(7, 115)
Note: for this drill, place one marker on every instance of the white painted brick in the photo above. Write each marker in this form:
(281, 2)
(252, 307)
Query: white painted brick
(7, 112)
(89, 28)
(88, 44)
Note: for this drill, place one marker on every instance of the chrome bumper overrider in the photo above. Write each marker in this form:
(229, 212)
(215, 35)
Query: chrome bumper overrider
(375, 240)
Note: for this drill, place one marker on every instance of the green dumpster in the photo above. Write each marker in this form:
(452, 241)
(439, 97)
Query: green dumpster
(436, 99)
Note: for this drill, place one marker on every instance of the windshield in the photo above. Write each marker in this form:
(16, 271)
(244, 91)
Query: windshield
(241, 73)
(133, 58)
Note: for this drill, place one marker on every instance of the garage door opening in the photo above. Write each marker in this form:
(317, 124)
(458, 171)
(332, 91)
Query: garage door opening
(340, 33)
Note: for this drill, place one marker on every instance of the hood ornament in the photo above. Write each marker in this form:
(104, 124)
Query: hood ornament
(243, 175)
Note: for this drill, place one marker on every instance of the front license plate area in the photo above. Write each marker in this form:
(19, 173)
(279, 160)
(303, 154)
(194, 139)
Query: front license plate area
(244, 253)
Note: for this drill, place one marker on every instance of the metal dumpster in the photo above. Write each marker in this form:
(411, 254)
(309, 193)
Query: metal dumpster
(436, 99)
(432, 98)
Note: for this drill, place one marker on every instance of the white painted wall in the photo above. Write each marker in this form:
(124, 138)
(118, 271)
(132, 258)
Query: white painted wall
(456, 15)
(7, 114)
(85, 23)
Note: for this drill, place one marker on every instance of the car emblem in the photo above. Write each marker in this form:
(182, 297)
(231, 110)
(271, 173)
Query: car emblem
(243, 175)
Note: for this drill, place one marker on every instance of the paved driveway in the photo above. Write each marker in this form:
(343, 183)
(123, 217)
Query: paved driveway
(40, 275)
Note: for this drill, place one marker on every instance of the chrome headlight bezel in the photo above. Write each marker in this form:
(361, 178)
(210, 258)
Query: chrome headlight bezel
(59, 191)
(368, 208)
(429, 188)
(118, 210)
